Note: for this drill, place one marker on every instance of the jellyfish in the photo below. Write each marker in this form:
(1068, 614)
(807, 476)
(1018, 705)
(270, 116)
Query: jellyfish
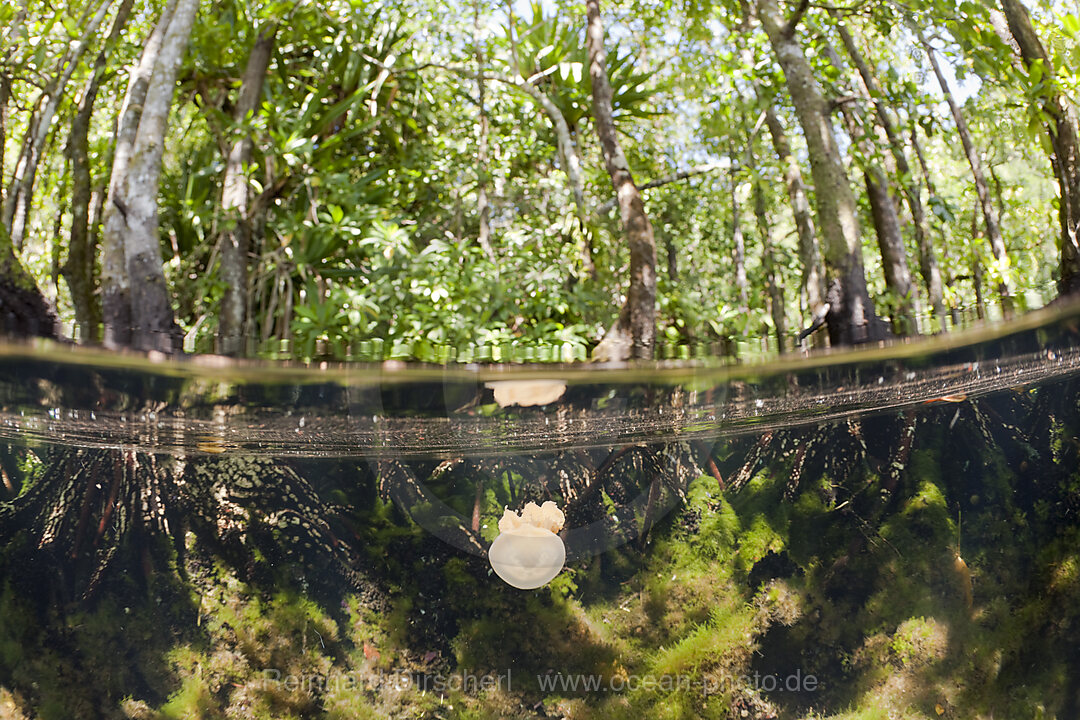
(528, 553)
(527, 392)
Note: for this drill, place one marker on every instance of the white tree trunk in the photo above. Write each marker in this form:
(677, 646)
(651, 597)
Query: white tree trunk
(153, 323)
(115, 287)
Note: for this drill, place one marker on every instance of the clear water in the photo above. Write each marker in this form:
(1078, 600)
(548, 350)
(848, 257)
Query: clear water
(196, 538)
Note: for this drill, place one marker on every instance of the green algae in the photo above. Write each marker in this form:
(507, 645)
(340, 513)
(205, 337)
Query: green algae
(844, 582)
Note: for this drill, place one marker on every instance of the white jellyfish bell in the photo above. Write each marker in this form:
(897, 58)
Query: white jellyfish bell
(528, 553)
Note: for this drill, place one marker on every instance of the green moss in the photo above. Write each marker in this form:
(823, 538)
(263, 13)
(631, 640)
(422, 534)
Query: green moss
(717, 535)
(455, 573)
(919, 641)
(191, 702)
(757, 540)
(30, 468)
(729, 629)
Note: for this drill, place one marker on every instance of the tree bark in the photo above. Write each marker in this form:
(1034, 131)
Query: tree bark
(5, 98)
(943, 228)
(976, 265)
(672, 258)
(993, 227)
(78, 270)
(850, 317)
(1062, 128)
(813, 276)
(20, 194)
(634, 332)
(15, 42)
(115, 285)
(153, 324)
(928, 265)
(883, 212)
(236, 243)
(893, 255)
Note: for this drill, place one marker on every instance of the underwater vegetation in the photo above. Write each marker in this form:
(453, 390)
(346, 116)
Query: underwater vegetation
(914, 564)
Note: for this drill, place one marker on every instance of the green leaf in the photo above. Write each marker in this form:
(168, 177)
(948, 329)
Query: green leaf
(1035, 72)
(70, 25)
(1070, 24)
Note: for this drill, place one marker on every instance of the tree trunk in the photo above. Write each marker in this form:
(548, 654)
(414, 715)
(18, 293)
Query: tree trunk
(774, 278)
(893, 255)
(483, 206)
(883, 212)
(850, 317)
(634, 331)
(993, 228)
(153, 324)
(928, 265)
(1062, 128)
(672, 258)
(20, 194)
(943, 228)
(738, 243)
(813, 277)
(236, 244)
(15, 42)
(78, 270)
(115, 285)
(976, 265)
(5, 97)
(24, 311)
(568, 153)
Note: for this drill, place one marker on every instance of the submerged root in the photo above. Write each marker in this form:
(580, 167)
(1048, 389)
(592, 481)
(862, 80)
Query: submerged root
(91, 509)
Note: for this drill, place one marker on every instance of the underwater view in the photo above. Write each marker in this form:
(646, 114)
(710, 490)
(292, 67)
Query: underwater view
(576, 359)
(883, 533)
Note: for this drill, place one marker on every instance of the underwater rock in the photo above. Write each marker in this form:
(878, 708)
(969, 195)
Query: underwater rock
(527, 553)
(527, 392)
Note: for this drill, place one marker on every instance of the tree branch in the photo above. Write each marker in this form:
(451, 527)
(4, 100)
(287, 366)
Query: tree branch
(607, 206)
(793, 21)
(841, 101)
